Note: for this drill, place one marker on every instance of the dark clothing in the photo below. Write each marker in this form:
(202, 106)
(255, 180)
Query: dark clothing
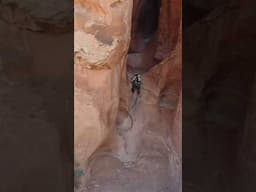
(136, 83)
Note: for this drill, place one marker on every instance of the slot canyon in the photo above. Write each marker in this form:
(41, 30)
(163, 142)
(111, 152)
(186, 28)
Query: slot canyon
(70, 121)
(126, 141)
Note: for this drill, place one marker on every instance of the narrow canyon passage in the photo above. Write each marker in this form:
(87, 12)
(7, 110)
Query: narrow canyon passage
(145, 161)
(123, 141)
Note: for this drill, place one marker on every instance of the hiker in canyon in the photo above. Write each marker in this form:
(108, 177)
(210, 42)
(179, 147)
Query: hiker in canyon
(136, 83)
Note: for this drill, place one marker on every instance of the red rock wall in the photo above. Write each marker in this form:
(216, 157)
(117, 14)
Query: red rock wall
(170, 27)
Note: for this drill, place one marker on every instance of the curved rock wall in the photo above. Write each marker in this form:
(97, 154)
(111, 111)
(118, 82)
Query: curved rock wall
(169, 27)
(120, 136)
(102, 34)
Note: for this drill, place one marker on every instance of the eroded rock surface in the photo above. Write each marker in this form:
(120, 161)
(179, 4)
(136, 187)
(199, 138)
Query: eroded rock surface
(149, 152)
(125, 142)
(102, 33)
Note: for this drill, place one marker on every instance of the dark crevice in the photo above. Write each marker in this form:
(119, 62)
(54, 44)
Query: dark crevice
(145, 24)
(148, 18)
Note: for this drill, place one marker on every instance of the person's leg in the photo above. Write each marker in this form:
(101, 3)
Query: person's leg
(133, 89)
(138, 89)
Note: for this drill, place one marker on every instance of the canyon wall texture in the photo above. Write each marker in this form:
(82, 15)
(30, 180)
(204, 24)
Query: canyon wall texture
(123, 141)
(102, 34)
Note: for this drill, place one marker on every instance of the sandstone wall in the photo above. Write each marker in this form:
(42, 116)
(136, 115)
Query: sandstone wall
(169, 27)
(109, 128)
(102, 34)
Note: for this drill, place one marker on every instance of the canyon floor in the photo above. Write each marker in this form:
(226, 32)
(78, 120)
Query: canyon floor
(149, 164)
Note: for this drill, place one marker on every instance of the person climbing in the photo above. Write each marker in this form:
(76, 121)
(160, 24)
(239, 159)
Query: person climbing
(136, 83)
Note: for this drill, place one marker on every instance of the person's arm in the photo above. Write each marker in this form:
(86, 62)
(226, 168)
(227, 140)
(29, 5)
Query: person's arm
(139, 78)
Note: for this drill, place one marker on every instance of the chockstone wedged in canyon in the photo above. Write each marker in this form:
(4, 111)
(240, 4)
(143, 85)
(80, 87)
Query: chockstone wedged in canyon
(126, 141)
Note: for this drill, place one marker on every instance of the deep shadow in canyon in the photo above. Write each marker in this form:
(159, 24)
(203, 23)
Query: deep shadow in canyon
(219, 96)
(144, 34)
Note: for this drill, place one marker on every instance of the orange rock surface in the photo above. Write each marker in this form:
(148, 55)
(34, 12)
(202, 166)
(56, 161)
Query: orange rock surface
(120, 136)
